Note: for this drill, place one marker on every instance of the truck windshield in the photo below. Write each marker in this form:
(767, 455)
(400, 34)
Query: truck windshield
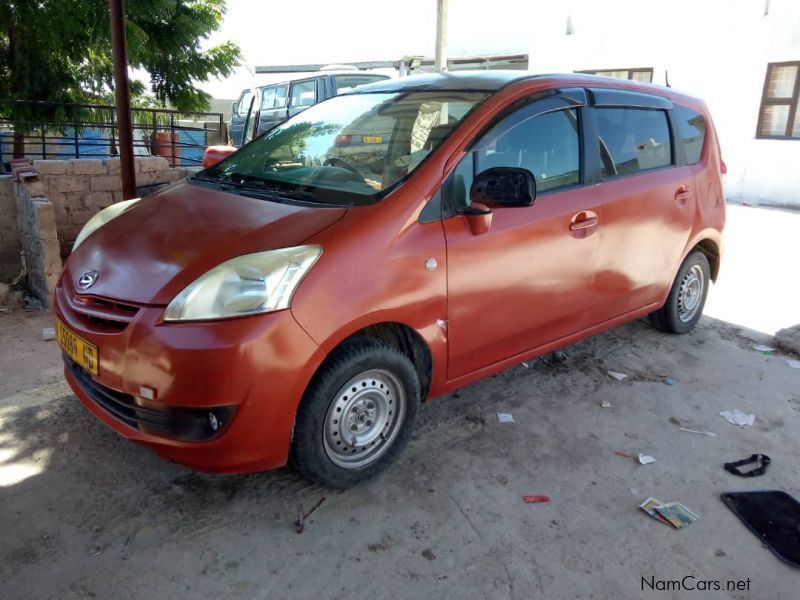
(348, 150)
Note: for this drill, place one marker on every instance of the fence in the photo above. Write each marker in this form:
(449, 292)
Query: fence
(90, 131)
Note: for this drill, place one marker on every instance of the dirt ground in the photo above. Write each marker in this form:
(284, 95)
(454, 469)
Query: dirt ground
(85, 513)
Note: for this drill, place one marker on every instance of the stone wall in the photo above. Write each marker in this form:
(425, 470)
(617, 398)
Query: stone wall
(79, 188)
(37, 231)
(9, 235)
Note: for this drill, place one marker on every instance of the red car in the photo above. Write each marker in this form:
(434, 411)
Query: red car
(283, 306)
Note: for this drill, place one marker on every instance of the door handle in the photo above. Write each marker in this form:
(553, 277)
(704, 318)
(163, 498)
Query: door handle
(587, 223)
(583, 224)
(683, 193)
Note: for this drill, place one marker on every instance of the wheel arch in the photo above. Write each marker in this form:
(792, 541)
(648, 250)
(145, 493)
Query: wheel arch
(398, 335)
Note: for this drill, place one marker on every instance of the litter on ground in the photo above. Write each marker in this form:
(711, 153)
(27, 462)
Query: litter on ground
(536, 499)
(48, 333)
(737, 417)
(708, 433)
(605, 404)
(505, 418)
(795, 364)
(646, 459)
(763, 348)
(674, 514)
(617, 375)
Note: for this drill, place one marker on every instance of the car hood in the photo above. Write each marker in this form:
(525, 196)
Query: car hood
(160, 245)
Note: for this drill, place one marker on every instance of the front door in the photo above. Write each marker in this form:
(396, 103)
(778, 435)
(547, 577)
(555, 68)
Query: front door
(528, 280)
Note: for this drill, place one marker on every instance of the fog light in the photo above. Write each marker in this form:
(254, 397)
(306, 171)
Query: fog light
(213, 421)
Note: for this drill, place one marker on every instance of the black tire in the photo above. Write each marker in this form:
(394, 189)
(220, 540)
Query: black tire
(674, 317)
(313, 452)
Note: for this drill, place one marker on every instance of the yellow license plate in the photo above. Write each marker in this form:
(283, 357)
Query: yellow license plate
(78, 349)
(372, 139)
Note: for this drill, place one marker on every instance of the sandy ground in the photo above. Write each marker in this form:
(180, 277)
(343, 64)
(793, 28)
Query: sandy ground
(84, 513)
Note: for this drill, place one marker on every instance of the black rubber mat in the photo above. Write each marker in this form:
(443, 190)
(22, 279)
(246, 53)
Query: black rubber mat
(774, 517)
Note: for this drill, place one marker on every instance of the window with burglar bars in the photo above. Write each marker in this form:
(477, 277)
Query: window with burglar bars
(779, 117)
(643, 74)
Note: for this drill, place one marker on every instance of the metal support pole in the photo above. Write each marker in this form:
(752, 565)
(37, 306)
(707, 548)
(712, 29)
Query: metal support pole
(441, 35)
(119, 55)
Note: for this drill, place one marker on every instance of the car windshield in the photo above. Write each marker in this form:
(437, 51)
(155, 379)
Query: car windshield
(347, 150)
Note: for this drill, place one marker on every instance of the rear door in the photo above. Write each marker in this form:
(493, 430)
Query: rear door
(239, 117)
(528, 280)
(647, 196)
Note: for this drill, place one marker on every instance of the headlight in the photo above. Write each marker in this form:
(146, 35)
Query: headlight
(245, 285)
(103, 217)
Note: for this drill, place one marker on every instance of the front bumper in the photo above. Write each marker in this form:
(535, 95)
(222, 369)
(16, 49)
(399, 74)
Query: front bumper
(257, 365)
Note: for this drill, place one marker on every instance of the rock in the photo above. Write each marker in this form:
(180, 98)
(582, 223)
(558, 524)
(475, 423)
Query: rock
(16, 299)
(789, 339)
(5, 290)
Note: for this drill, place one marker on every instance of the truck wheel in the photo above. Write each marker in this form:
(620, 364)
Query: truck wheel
(357, 414)
(686, 298)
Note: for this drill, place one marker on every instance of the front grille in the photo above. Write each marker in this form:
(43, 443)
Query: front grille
(117, 404)
(101, 314)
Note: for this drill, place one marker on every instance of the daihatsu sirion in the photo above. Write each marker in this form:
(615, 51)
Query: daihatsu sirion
(283, 306)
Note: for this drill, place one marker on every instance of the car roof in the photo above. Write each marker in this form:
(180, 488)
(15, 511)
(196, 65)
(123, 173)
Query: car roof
(493, 81)
(314, 76)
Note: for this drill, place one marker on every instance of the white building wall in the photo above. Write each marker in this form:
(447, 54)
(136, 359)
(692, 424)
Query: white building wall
(717, 50)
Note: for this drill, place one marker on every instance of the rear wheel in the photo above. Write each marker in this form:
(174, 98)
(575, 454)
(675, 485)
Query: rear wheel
(357, 414)
(686, 299)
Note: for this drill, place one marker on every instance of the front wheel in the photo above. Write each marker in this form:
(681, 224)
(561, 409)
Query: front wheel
(357, 414)
(687, 297)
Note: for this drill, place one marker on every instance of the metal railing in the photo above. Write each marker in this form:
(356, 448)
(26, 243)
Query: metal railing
(90, 131)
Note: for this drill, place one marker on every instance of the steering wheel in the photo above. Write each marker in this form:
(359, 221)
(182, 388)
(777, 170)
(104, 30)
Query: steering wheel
(343, 164)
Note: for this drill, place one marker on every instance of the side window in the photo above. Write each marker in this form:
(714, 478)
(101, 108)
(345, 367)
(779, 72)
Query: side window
(304, 93)
(632, 140)
(281, 92)
(244, 103)
(548, 145)
(692, 132)
(268, 98)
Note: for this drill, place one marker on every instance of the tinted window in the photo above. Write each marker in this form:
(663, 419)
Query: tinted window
(304, 93)
(268, 97)
(345, 83)
(692, 132)
(244, 103)
(633, 139)
(547, 145)
(280, 96)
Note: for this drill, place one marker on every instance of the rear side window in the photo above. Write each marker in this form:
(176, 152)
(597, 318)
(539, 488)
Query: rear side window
(304, 93)
(268, 98)
(691, 131)
(280, 96)
(632, 140)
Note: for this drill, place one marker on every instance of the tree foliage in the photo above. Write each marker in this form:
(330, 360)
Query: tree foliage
(60, 51)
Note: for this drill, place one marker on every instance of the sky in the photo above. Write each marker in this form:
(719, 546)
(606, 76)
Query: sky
(324, 31)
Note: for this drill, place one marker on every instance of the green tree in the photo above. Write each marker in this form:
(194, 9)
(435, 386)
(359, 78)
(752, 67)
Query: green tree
(60, 51)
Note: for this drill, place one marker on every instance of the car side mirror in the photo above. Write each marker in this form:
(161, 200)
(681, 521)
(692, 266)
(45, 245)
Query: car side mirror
(235, 107)
(503, 187)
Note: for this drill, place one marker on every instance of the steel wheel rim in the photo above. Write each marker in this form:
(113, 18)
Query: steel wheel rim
(364, 419)
(690, 295)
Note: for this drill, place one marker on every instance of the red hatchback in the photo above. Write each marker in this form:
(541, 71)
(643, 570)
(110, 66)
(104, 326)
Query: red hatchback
(297, 303)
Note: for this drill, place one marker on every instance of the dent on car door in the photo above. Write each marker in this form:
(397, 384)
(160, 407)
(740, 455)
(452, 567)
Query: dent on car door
(647, 207)
(527, 281)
